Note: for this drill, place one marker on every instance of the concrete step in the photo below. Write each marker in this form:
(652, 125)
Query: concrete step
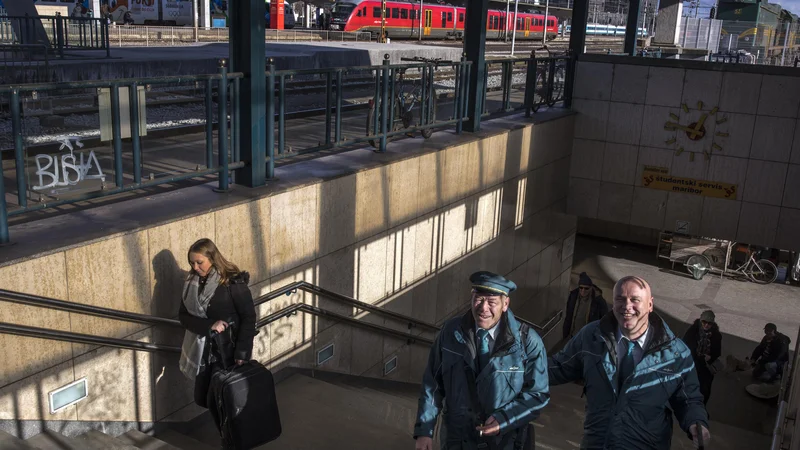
(185, 442)
(144, 441)
(367, 407)
(100, 440)
(9, 442)
(51, 440)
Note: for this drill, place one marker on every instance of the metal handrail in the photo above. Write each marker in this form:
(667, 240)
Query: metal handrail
(68, 336)
(61, 305)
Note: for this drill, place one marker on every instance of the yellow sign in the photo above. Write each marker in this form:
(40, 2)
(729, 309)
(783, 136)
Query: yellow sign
(659, 178)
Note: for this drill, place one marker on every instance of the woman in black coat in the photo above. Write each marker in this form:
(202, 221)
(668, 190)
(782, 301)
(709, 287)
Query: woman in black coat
(705, 342)
(215, 296)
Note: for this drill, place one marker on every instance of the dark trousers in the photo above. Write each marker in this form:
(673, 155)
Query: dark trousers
(705, 378)
(203, 395)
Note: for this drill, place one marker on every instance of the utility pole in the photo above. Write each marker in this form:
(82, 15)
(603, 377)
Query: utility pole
(420, 19)
(505, 27)
(383, 22)
(546, 13)
(514, 33)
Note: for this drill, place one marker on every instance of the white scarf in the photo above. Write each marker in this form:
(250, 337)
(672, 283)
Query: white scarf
(194, 344)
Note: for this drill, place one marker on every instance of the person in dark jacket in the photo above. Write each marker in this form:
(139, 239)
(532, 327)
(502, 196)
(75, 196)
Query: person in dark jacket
(705, 342)
(486, 376)
(215, 296)
(770, 355)
(584, 305)
(637, 373)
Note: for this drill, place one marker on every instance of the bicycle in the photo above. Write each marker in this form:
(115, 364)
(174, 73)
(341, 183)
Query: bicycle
(407, 96)
(550, 81)
(761, 271)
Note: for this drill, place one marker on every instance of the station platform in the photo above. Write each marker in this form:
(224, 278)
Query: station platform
(203, 58)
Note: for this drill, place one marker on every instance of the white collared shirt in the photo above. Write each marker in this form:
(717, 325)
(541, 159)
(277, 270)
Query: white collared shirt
(638, 349)
(492, 335)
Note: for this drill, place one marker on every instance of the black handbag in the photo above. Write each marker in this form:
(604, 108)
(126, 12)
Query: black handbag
(222, 347)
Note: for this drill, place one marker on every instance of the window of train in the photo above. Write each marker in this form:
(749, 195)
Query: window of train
(376, 12)
(395, 13)
(404, 14)
(449, 17)
(413, 14)
(460, 17)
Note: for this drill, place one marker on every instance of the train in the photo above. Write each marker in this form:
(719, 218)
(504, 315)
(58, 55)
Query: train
(143, 12)
(597, 29)
(764, 30)
(438, 21)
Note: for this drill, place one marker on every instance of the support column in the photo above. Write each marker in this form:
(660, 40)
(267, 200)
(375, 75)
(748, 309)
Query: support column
(307, 16)
(668, 23)
(475, 50)
(248, 50)
(205, 12)
(632, 28)
(577, 37)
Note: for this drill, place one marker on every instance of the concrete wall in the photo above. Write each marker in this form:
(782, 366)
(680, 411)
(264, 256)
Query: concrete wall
(404, 235)
(623, 106)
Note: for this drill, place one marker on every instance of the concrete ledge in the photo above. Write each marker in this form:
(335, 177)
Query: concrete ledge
(687, 64)
(49, 235)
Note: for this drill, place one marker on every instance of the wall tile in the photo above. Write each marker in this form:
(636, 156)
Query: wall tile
(587, 159)
(758, 224)
(242, 235)
(403, 177)
(779, 96)
(702, 85)
(23, 356)
(683, 166)
(592, 119)
(787, 237)
(746, 98)
(615, 203)
(584, 197)
(649, 207)
(28, 399)
(654, 157)
(431, 168)
(630, 83)
(791, 192)
(795, 159)
(665, 86)
(740, 134)
(337, 214)
(765, 182)
(725, 169)
(593, 80)
(624, 123)
(619, 163)
(294, 233)
(372, 209)
(720, 218)
(684, 207)
(653, 132)
(772, 139)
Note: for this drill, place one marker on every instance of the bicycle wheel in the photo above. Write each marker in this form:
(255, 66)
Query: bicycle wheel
(763, 271)
(428, 132)
(559, 81)
(698, 266)
(391, 127)
(539, 89)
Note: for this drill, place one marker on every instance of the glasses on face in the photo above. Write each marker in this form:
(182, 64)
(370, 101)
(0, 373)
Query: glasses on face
(584, 288)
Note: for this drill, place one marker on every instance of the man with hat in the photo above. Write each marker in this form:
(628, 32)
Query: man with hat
(486, 375)
(705, 342)
(770, 355)
(585, 304)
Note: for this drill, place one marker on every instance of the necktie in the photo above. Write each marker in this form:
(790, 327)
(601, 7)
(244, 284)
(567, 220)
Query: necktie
(626, 367)
(483, 348)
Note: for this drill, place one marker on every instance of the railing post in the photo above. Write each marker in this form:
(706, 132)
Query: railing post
(551, 73)
(235, 127)
(460, 94)
(117, 134)
(60, 35)
(222, 126)
(133, 95)
(19, 155)
(209, 125)
(384, 101)
(271, 119)
(530, 83)
(338, 106)
(328, 106)
(105, 37)
(281, 114)
(423, 103)
(570, 75)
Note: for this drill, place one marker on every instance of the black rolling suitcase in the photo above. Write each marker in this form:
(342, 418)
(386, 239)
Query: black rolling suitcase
(245, 406)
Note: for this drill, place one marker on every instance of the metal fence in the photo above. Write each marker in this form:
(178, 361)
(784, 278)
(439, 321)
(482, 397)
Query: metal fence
(21, 63)
(700, 33)
(59, 32)
(146, 36)
(72, 142)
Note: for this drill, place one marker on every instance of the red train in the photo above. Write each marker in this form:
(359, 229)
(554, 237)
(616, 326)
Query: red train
(439, 21)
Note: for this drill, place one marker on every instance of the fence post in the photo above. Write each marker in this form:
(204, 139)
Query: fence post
(133, 96)
(19, 156)
(384, 101)
(106, 38)
(328, 106)
(222, 126)
(460, 94)
(209, 125)
(117, 134)
(60, 35)
(530, 83)
(271, 119)
(281, 116)
(338, 106)
(4, 238)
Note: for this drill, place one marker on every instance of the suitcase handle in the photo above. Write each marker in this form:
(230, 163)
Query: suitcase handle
(213, 333)
(700, 444)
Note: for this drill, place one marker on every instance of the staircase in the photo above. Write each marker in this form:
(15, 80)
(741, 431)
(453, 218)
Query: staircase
(329, 411)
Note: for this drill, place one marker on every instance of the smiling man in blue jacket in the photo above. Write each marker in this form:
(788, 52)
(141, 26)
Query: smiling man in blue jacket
(486, 375)
(636, 374)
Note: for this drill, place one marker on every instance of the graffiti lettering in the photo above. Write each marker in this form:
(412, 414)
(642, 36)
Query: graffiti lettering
(67, 170)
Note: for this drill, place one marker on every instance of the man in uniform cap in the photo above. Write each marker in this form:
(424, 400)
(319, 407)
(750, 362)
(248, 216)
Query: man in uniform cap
(487, 375)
